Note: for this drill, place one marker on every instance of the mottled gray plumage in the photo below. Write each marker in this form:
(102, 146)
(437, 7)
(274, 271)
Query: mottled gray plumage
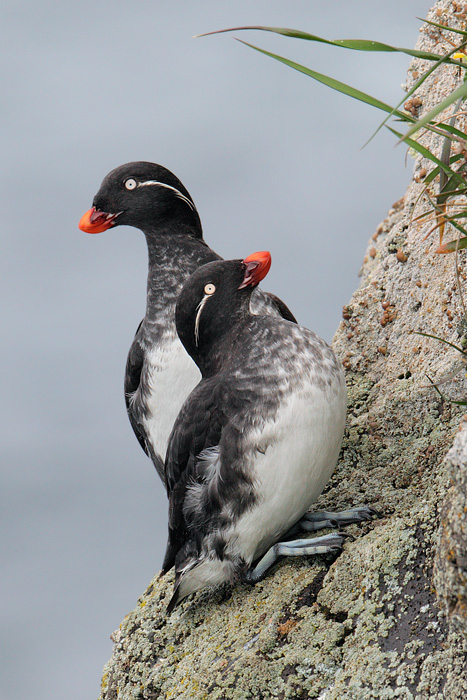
(256, 440)
(159, 375)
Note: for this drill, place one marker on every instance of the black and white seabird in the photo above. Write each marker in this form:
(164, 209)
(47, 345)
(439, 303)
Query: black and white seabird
(257, 439)
(159, 373)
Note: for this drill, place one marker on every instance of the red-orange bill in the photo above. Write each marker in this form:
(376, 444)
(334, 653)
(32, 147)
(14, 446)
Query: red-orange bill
(257, 267)
(94, 221)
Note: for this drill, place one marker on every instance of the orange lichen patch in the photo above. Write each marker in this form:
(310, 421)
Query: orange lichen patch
(412, 105)
(378, 231)
(286, 627)
(388, 316)
(420, 175)
(399, 204)
(401, 256)
(460, 9)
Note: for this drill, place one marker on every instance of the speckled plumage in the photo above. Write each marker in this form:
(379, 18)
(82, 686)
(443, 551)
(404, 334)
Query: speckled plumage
(159, 374)
(257, 439)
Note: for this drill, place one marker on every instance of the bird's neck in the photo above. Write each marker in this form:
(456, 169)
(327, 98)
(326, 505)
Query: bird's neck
(173, 257)
(224, 347)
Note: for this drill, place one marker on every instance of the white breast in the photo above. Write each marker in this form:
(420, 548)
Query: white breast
(171, 375)
(307, 435)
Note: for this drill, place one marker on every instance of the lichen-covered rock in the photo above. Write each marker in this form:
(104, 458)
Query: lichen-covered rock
(372, 622)
(451, 559)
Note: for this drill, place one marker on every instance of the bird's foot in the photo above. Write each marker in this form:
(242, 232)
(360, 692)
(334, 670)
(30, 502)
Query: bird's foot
(318, 520)
(295, 548)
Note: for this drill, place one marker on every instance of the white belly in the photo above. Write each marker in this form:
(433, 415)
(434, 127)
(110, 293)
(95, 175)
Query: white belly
(292, 473)
(171, 375)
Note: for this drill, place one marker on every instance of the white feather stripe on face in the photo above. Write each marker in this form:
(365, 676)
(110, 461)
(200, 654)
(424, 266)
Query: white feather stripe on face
(169, 187)
(199, 309)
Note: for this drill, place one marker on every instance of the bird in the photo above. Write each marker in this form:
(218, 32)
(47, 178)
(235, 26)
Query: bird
(159, 374)
(257, 439)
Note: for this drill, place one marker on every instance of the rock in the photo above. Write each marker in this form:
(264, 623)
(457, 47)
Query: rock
(375, 621)
(451, 554)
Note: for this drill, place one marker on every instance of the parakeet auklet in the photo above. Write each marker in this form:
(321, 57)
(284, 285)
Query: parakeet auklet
(159, 374)
(257, 439)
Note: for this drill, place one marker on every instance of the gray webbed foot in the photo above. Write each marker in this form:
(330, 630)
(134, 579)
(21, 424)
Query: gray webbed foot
(295, 548)
(318, 520)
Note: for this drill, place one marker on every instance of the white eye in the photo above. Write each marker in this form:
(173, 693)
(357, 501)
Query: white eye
(130, 184)
(210, 288)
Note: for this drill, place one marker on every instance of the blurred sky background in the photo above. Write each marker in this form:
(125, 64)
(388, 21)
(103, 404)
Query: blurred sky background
(272, 159)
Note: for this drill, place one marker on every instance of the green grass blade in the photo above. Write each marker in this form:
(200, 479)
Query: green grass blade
(447, 191)
(332, 83)
(452, 246)
(431, 175)
(451, 130)
(428, 154)
(459, 228)
(437, 389)
(458, 93)
(443, 26)
(442, 340)
(445, 398)
(415, 87)
(455, 217)
(353, 44)
(435, 172)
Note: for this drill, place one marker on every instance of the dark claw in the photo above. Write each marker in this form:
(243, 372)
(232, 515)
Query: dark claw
(375, 512)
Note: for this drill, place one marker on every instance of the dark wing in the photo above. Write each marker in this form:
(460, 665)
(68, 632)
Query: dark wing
(198, 426)
(265, 303)
(134, 365)
(282, 308)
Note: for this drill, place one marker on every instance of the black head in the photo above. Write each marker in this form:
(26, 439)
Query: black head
(214, 299)
(144, 195)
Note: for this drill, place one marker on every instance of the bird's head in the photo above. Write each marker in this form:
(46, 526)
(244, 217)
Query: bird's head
(215, 298)
(144, 195)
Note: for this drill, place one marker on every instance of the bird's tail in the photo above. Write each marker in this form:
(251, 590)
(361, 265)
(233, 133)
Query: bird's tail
(197, 574)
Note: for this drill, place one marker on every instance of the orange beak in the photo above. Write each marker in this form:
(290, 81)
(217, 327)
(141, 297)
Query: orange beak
(95, 221)
(257, 267)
